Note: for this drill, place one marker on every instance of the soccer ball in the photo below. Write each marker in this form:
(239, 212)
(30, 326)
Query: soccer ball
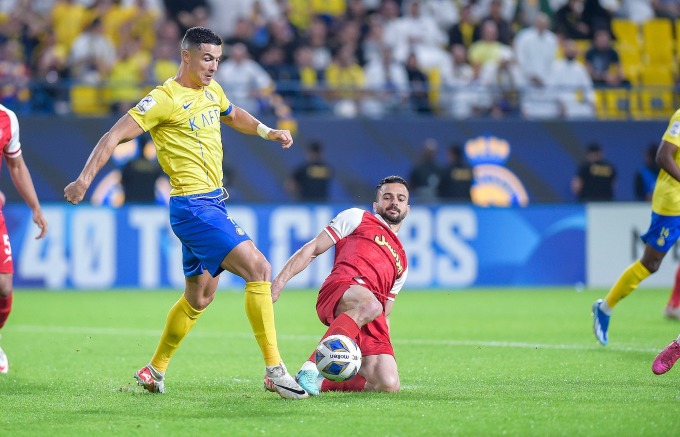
(338, 358)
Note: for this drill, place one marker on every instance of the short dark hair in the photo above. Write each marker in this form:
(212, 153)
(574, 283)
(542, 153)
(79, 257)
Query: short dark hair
(390, 180)
(594, 147)
(315, 147)
(198, 35)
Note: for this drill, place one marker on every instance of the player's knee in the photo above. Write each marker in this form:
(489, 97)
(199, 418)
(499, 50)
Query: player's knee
(5, 286)
(389, 384)
(199, 303)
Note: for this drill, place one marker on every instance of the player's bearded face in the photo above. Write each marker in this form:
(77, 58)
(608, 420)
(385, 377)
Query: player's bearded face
(392, 203)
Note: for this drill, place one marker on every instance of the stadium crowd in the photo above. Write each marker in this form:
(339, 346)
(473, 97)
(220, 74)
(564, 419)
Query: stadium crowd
(528, 58)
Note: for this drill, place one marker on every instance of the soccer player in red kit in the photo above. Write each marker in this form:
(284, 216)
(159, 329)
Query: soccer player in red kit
(11, 150)
(356, 299)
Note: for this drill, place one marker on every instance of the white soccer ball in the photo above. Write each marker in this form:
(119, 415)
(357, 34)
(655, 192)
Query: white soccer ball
(338, 358)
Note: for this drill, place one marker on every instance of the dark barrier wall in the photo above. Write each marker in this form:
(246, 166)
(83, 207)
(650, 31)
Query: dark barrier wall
(544, 155)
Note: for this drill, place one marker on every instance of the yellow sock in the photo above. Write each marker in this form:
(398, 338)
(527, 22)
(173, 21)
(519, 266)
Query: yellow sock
(628, 281)
(260, 311)
(181, 318)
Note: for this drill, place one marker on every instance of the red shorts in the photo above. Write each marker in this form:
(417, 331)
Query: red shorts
(6, 265)
(374, 337)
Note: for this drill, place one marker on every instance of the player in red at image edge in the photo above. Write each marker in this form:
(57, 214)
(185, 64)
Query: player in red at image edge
(183, 116)
(21, 177)
(357, 297)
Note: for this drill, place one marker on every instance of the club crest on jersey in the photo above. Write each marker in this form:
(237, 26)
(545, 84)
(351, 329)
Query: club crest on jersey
(209, 95)
(145, 104)
(382, 241)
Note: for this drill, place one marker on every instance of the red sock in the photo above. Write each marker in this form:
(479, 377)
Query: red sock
(358, 383)
(343, 325)
(5, 308)
(674, 300)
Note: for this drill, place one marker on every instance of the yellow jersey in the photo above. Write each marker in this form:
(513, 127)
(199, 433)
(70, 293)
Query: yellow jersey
(666, 198)
(185, 126)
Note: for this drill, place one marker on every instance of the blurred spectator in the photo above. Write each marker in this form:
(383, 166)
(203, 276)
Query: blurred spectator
(637, 10)
(245, 82)
(143, 26)
(164, 63)
(569, 92)
(50, 92)
(536, 49)
(571, 84)
(666, 9)
(92, 55)
(460, 95)
(424, 176)
(482, 8)
(68, 20)
(308, 98)
(570, 22)
(183, 12)
(115, 19)
(310, 182)
(243, 34)
(444, 12)
(349, 34)
(645, 177)
(374, 41)
(503, 81)
(282, 35)
(595, 178)
(142, 178)
(456, 178)
(503, 26)
(487, 48)
(419, 34)
(598, 14)
(463, 31)
(418, 86)
(602, 61)
(345, 79)
(273, 61)
(317, 40)
(14, 77)
(127, 75)
(386, 86)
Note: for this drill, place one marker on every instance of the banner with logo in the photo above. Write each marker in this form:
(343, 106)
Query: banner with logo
(448, 247)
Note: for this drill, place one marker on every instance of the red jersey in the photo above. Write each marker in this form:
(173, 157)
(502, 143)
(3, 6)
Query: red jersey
(9, 133)
(367, 252)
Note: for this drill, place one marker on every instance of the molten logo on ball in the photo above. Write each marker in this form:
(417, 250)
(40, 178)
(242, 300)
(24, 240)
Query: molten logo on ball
(338, 358)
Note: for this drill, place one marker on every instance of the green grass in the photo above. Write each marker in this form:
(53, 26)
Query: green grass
(472, 363)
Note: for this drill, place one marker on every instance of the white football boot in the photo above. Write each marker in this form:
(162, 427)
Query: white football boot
(277, 379)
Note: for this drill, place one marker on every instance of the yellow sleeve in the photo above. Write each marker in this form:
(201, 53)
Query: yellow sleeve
(672, 134)
(152, 109)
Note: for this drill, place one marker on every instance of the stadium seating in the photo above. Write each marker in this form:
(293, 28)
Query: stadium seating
(612, 103)
(626, 32)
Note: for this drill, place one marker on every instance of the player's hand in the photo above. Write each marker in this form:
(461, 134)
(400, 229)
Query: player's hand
(40, 220)
(283, 136)
(75, 191)
(277, 288)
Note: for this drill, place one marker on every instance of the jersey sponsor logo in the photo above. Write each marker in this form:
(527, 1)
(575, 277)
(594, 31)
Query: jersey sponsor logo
(382, 241)
(674, 130)
(204, 120)
(145, 104)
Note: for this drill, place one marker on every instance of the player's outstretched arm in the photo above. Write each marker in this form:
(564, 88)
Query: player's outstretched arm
(665, 158)
(299, 261)
(21, 178)
(125, 129)
(244, 122)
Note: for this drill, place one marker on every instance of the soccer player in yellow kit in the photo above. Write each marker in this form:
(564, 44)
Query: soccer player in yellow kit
(663, 232)
(183, 116)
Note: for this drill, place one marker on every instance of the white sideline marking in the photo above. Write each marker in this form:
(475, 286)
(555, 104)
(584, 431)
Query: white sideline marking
(80, 330)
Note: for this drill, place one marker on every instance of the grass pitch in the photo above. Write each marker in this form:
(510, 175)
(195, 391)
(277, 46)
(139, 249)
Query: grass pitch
(472, 363)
